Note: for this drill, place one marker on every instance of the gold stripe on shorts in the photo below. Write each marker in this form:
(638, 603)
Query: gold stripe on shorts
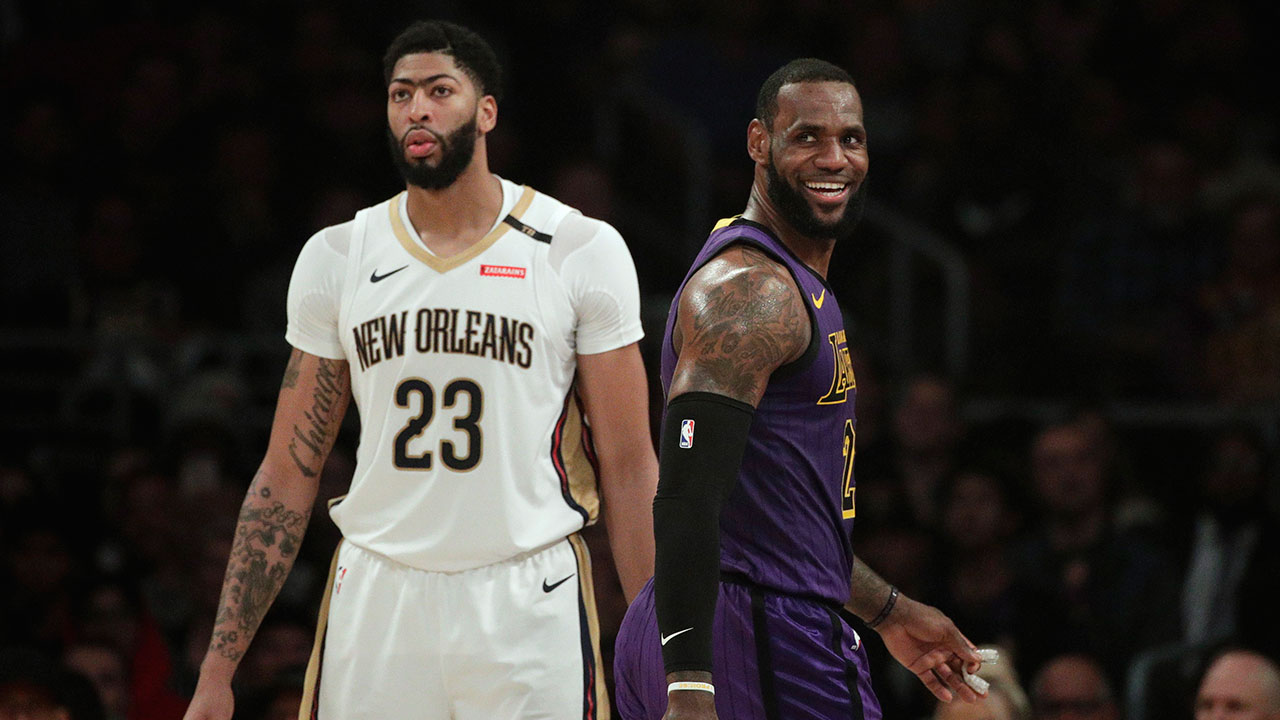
(588, 599)
(311, 684)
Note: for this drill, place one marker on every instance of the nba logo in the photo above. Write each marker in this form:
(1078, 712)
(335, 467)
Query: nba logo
(686, 434)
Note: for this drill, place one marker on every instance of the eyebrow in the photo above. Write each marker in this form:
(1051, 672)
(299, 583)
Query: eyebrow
(856, 129)
(423, 82)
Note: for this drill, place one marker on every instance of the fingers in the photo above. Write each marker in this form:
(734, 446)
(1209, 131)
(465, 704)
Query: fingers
(936, 685)
(940, 672)
(952, 678)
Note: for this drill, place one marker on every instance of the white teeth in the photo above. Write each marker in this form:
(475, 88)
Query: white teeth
(825, 186)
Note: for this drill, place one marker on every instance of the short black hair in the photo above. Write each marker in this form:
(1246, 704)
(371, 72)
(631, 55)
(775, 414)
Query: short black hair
(473, 55)
(798, 70)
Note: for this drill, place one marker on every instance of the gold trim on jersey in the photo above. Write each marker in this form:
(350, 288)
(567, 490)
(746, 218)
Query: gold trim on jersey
(413, 244)
(573, 460)
(586, 585)
(311, 682)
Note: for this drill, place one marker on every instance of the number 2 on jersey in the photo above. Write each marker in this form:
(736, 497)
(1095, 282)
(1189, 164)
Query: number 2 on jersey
(846, 503)
(468, 423)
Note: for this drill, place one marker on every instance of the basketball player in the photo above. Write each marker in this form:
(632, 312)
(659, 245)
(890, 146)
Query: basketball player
(756, 497)
(473, 321)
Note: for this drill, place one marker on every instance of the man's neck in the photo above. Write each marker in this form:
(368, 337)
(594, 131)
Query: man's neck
(450, 219)
(814, 252)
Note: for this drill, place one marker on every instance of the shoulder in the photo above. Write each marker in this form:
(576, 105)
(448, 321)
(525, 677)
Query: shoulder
(755, 279)
(335, 238)
(740, 317)
(576, 231)
(570, 234)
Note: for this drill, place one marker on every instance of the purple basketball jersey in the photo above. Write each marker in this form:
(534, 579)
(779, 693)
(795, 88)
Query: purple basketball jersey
(786, 525)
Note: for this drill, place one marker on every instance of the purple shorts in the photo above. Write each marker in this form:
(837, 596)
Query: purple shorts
(775, 656)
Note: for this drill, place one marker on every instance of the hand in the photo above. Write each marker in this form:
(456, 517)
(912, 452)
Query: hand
(213, 700)
(690, 704)
(928, 644)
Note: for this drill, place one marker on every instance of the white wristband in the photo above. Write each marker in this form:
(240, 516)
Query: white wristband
(686, 685)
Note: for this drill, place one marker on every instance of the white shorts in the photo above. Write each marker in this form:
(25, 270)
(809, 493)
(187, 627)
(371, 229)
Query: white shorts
(516, 639)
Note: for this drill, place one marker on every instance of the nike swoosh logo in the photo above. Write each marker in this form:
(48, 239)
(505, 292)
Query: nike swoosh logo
(667, 638)
(548, 588)
(375, 277)
(817, 301)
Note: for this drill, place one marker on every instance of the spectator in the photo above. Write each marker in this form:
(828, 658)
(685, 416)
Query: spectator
(1106, 592)
(1233, 551)
(1241, 307)
(974, 580)
(103, 665)
(927, 430)
(1240, 685)
(1073, 686)
(33, 687)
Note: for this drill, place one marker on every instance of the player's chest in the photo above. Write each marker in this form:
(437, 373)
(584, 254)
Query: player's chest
(509, 278)
(502, 305)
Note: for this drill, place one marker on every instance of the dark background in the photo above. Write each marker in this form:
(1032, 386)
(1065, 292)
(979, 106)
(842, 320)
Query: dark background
(1073, 245)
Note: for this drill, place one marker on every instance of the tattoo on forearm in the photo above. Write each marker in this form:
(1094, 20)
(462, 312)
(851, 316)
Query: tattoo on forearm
(746, 325)
(267, 540)
(309, 444)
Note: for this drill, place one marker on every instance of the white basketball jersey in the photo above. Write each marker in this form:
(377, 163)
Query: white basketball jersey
(473, 448)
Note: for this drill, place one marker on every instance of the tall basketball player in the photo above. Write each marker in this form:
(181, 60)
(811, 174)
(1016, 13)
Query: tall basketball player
(756, 496)
(474, 322)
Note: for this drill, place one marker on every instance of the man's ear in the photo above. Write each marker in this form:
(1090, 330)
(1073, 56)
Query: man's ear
(487, 114)
(758, 142)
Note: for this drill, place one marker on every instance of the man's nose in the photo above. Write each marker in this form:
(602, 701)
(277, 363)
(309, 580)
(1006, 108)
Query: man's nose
(832, 156)
(419, 106)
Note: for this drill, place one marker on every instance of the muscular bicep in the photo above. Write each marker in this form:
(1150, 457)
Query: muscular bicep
(313, 399)
(740, 317)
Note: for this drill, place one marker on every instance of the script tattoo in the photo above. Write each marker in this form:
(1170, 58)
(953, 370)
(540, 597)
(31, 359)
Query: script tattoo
(310, 443)
(741, 318)
(267, 540)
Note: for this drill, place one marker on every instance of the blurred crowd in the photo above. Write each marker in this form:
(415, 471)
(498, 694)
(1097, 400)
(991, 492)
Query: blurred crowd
(1109, 173)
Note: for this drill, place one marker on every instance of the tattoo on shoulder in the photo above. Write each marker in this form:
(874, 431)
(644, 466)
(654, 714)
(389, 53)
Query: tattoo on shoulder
(292, 370)
(747, 320)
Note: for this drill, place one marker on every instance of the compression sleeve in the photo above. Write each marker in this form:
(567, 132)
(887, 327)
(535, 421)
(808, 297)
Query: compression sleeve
(703, 438)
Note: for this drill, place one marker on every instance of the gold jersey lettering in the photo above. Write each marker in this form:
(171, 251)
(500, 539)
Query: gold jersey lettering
(842, 380)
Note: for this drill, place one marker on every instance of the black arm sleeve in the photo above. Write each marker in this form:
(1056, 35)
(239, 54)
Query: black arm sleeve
(702, 441)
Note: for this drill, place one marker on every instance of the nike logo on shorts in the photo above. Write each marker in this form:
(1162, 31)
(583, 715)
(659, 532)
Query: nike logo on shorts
(548, 588)
(667, 638)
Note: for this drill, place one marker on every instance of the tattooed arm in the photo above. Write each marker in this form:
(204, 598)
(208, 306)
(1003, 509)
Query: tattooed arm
(313, 399)
(740, 317)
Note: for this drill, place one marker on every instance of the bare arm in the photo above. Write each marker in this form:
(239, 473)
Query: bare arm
(741, 317)
(615, 392)
(919, 636)
(313, 398)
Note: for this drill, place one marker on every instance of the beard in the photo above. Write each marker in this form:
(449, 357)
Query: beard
(456, 150)
(795, 210)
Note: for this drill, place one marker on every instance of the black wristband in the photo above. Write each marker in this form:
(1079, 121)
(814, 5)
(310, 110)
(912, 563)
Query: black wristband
(884, 611)
(702, 441)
